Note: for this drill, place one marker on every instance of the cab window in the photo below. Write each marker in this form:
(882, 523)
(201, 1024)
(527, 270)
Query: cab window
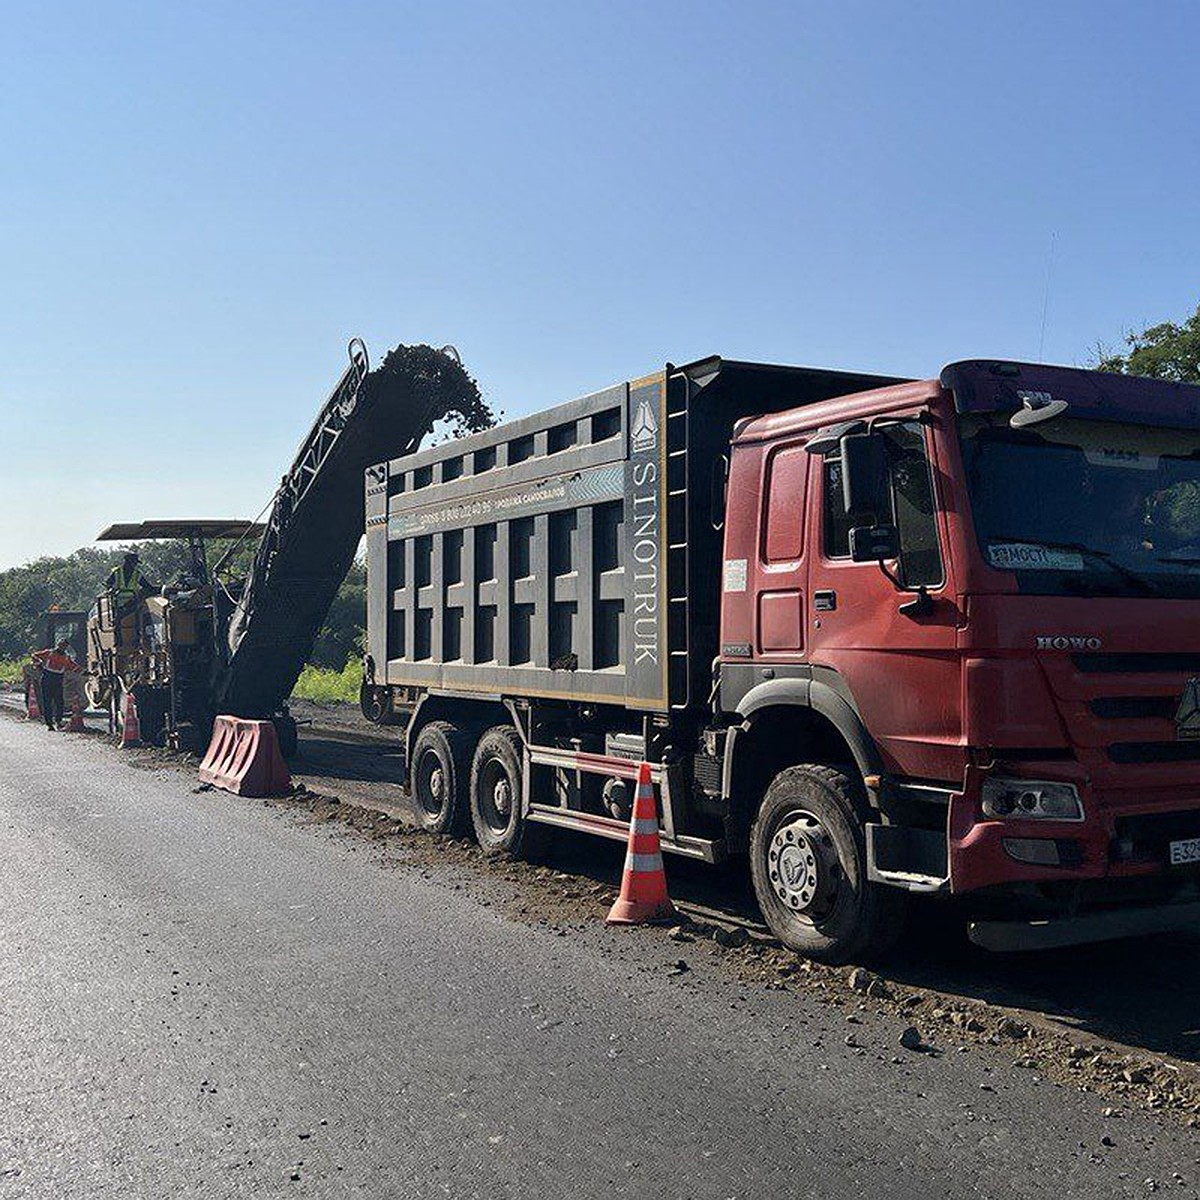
(911, 489)
(784, 534)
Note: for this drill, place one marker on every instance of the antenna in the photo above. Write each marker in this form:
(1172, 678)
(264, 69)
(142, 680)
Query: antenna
(1046, 298)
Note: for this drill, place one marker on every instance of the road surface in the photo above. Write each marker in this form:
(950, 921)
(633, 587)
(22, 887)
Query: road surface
(205, 996)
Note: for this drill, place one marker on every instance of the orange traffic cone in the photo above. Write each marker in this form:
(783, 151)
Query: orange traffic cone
(33, 710)
(643, 899)
(76, 725)
(130, 734)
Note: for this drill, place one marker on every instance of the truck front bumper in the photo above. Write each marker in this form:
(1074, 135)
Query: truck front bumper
(1053, 933)
(1124, 837)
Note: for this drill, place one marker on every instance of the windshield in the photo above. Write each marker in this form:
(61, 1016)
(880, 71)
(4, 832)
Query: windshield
(1077, 507)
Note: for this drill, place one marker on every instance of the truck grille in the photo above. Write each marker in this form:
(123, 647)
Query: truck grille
(1135, 707)
(1136, 664)
(1154, 752)
(1151, 833)
(1120, 710)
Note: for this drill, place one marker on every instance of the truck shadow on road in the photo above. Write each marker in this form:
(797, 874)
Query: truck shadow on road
(1140, 992)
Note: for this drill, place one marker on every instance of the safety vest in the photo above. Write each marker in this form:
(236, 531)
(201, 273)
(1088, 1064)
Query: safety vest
(124, 585)
(56, 663)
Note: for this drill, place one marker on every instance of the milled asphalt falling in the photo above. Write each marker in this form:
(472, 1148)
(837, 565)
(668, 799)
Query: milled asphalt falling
(204, 996)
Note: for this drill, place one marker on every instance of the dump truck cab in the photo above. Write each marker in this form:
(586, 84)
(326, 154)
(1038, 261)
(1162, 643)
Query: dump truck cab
(982, 593)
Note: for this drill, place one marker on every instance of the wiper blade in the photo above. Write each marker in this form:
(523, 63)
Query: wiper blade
(1117, 568)
(1185, 559)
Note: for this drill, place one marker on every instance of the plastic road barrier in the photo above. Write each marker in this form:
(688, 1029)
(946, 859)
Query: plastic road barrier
(243, 757)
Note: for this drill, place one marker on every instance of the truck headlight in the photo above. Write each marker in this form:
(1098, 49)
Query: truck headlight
(1031, 800)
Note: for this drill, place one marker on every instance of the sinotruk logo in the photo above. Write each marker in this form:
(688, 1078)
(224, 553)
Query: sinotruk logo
(1187, 716)
(645, 427)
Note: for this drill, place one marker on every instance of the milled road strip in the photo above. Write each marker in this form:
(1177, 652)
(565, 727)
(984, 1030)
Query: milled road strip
(1031, 1041)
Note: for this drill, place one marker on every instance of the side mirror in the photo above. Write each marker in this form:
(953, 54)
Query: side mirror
(874, 543)
(865, 476)
(865, 492)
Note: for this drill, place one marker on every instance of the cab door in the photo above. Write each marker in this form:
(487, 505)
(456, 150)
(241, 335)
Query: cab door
(779, 618)
(892, 651)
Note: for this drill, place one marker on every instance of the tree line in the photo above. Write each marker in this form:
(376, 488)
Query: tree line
(1166, 350)
(73, 582)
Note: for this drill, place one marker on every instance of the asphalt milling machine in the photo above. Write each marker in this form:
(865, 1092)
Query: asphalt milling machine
(230, 640)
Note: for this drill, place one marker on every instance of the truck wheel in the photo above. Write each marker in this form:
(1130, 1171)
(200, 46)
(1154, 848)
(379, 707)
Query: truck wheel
(375, 705)
(497, 790)
(96, 692)
(441, 758)
(116, 700)
(809, 865)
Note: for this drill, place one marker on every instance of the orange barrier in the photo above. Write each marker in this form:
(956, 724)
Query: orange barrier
(243, 757)
(131, 734)
(643, 899)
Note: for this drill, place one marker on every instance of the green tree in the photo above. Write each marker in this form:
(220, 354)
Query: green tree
(341, 635)
(1163, 351)
(73, 583)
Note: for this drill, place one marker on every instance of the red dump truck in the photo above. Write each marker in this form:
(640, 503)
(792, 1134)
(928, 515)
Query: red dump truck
(884, 637)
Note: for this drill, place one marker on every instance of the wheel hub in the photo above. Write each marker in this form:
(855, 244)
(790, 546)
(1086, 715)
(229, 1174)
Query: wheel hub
(802, 864)
(436, 782)
(502, 796)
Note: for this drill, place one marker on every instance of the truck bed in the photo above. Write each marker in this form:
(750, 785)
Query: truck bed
(574, 554)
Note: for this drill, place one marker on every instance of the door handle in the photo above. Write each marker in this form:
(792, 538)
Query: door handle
(825, 600)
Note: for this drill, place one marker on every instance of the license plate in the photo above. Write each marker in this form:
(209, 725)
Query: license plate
(1187, 851)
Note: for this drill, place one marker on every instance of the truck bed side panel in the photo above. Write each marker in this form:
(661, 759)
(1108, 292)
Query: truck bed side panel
(527, 560)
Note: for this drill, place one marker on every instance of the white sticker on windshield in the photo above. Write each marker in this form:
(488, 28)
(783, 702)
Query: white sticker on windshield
(1029, 556)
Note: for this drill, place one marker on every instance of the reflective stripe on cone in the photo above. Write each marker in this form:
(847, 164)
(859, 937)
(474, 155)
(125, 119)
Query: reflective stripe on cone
(130, 733)
(643, 899)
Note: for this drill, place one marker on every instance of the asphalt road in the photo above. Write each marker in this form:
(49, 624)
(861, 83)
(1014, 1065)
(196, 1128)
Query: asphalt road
(203, 996)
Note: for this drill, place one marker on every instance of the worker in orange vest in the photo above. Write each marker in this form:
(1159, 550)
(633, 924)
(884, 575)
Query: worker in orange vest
(55, 663)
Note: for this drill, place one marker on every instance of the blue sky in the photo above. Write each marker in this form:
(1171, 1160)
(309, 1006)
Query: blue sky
(202, 203)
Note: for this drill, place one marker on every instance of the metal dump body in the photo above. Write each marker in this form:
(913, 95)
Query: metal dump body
(574, 554)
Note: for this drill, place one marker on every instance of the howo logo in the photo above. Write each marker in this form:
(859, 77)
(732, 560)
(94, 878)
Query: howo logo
(1067, 642)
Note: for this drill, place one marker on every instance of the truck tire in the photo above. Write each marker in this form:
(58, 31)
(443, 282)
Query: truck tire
(808, 861)
(96, 692)
(497, 792)
(440, 770)
(375, 705)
